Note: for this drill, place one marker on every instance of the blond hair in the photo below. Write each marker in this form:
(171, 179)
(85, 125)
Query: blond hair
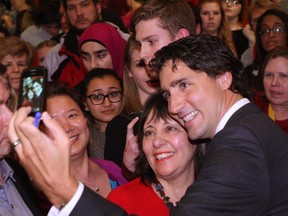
(132, 101)
(14, 46)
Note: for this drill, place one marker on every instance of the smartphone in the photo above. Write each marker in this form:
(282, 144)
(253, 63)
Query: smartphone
(33, 88)
(134, 115)
(136, 126)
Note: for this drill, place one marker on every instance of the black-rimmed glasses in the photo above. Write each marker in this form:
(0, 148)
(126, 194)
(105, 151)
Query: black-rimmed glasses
(113, 97)
(275, 29)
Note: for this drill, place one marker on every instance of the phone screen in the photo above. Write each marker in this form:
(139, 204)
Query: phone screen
(32, 90)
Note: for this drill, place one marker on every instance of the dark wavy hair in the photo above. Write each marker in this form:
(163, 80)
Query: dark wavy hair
(158, 106)
(204, 53)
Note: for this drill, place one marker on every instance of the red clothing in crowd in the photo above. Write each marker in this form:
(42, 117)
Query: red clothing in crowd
(138, 198)
(263, 104)
(72, 73)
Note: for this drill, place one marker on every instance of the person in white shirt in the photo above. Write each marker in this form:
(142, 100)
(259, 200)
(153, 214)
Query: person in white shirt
(46, 23)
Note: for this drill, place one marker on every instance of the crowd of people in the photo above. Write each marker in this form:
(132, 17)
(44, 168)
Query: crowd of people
(152, 107)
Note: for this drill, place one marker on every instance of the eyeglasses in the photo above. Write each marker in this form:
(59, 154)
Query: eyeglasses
(113, 97)
(275, 29)
(234, 2)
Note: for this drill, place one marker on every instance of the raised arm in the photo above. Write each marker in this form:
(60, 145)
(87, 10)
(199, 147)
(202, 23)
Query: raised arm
(47, 161)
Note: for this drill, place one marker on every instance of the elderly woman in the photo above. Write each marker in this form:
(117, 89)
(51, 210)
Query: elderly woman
(15, 55)
(166, 163)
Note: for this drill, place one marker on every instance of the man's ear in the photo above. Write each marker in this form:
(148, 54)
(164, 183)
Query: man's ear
(182, 33)
(226, 80)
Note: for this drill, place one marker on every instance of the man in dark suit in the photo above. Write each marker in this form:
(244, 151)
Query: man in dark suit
(245, 169)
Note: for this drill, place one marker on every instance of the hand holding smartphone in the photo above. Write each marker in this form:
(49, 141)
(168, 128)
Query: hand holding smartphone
(136, 126)
(33, 88)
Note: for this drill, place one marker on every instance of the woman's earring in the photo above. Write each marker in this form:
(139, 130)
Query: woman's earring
(86, 109)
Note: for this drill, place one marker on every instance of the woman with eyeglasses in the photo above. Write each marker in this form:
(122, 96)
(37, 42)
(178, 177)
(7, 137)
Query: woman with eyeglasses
(237, 16)
(255, 10)
(65, 106)
(103, 99)
(271, 31)
(258, 8)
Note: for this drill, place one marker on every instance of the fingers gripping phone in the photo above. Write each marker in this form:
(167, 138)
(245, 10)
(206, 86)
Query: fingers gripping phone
(33, 88)
(136, 126)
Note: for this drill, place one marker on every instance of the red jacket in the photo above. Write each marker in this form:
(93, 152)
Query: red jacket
(70, 69)
(73, 72)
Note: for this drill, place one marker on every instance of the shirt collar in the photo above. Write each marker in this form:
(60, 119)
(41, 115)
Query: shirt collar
(230, 112)
(6, 171)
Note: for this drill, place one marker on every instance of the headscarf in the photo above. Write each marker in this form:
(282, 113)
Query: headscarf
(109, 37)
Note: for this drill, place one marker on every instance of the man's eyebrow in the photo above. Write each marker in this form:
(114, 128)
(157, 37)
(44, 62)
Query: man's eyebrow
(176, 82)
(145, 39)
(172, 84)
(75, 4)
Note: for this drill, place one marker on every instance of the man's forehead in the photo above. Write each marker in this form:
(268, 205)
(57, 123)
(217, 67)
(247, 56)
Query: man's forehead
(149, 22)
(147, 29)
(166, 74)
(172, 66)
(75, 2)
(170, 73)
